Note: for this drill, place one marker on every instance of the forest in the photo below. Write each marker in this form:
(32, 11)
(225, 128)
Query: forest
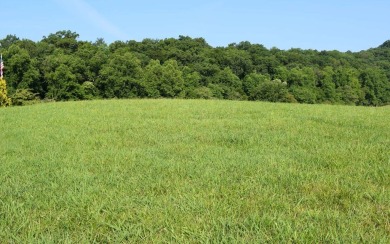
(61, 67)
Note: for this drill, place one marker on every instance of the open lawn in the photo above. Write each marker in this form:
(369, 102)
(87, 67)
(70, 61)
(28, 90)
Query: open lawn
(194, 171)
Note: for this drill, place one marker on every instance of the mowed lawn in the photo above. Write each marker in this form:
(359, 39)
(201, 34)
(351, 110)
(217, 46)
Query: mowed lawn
(194, 171)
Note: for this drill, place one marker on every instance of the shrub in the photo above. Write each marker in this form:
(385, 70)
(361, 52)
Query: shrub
(24, 97)
(4, 99)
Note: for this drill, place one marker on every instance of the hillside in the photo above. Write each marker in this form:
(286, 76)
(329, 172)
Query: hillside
(60, 67)
(194, 171)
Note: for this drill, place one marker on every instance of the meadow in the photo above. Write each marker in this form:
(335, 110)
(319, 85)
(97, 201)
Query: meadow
(194, 171)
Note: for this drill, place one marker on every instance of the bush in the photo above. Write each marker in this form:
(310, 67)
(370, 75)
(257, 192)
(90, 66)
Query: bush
(4, 99)
(272, 91)
(24, 97)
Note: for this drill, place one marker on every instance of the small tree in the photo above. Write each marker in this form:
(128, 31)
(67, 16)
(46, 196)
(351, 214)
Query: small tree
(4, 100)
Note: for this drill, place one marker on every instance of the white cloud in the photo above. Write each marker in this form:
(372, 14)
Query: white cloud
(88, 12)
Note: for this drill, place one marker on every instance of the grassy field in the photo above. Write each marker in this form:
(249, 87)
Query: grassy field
(194, 171)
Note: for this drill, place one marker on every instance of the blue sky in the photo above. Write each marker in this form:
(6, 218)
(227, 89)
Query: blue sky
(308, 24)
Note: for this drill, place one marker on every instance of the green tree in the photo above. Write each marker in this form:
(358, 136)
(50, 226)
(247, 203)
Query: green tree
(272, 91)
(151, 79)
(66, 72)
(281, 73)
(304, 94)
(191, 82)
(163, 80)
(303, 85)
(172, 82)
(187, 67)
(8, 41)
(62, 84)
(227, 85)
(121, 76)
(238, 61)
(4, 99)
(22, 69)
(376, 87)
(65, 40)
(89, 90)
(252, 81)
(348, 86)
(327, 85)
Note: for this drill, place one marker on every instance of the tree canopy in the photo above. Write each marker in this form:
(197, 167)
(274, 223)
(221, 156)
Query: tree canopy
(62, 67)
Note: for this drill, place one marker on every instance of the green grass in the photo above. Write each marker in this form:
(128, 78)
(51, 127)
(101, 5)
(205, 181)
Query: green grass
(194, 171)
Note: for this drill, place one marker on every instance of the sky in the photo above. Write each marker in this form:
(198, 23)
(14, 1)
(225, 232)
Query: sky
(307, 24)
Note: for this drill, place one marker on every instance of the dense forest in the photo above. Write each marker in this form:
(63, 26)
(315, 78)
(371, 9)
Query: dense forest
(61, 67)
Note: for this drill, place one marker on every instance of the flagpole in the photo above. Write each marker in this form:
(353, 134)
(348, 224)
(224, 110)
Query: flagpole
(1, 64)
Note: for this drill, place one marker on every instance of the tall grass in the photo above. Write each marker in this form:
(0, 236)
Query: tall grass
(194, 171)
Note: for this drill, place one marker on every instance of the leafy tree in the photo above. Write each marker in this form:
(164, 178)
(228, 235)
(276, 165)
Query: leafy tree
(22, 69)
(61, 67)
(238, 61)
(171, 80)
(376, 87)
(191, 82)
(327, 85)
(89, 90)
(203, 93)
(272, 91)
(121, 76)
(348, 87)
(163, 80)
(281, 73)
(304, 94)
(151, 79)
(64, 74)
(4, 99)
(227, 85)
(386, 44)
(8, 41)
(66, 40)
(62, 84)
(252, 81)
(207, 70)
(302, 84)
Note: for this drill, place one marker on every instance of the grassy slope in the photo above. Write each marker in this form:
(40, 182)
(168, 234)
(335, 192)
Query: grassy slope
(173, 170)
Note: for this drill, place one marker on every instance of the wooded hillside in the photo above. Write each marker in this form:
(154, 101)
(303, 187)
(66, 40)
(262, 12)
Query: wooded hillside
(61, 67)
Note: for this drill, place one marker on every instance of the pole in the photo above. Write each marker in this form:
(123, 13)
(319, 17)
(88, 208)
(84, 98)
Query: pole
(1, 63)
(1, 66)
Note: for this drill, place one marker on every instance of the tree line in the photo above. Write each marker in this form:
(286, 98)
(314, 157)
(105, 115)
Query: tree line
(60, 67)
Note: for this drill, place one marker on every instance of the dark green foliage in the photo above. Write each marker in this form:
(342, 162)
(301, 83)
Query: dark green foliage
(386, 44)
(23, 97)
(89, 90)
(8, 41)
(375, 86)
(252, 81)
(171, 81)
(60, 67)
(272, 91)
(304, 94)
(66, 40)
(120, 77)
(227, 85)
